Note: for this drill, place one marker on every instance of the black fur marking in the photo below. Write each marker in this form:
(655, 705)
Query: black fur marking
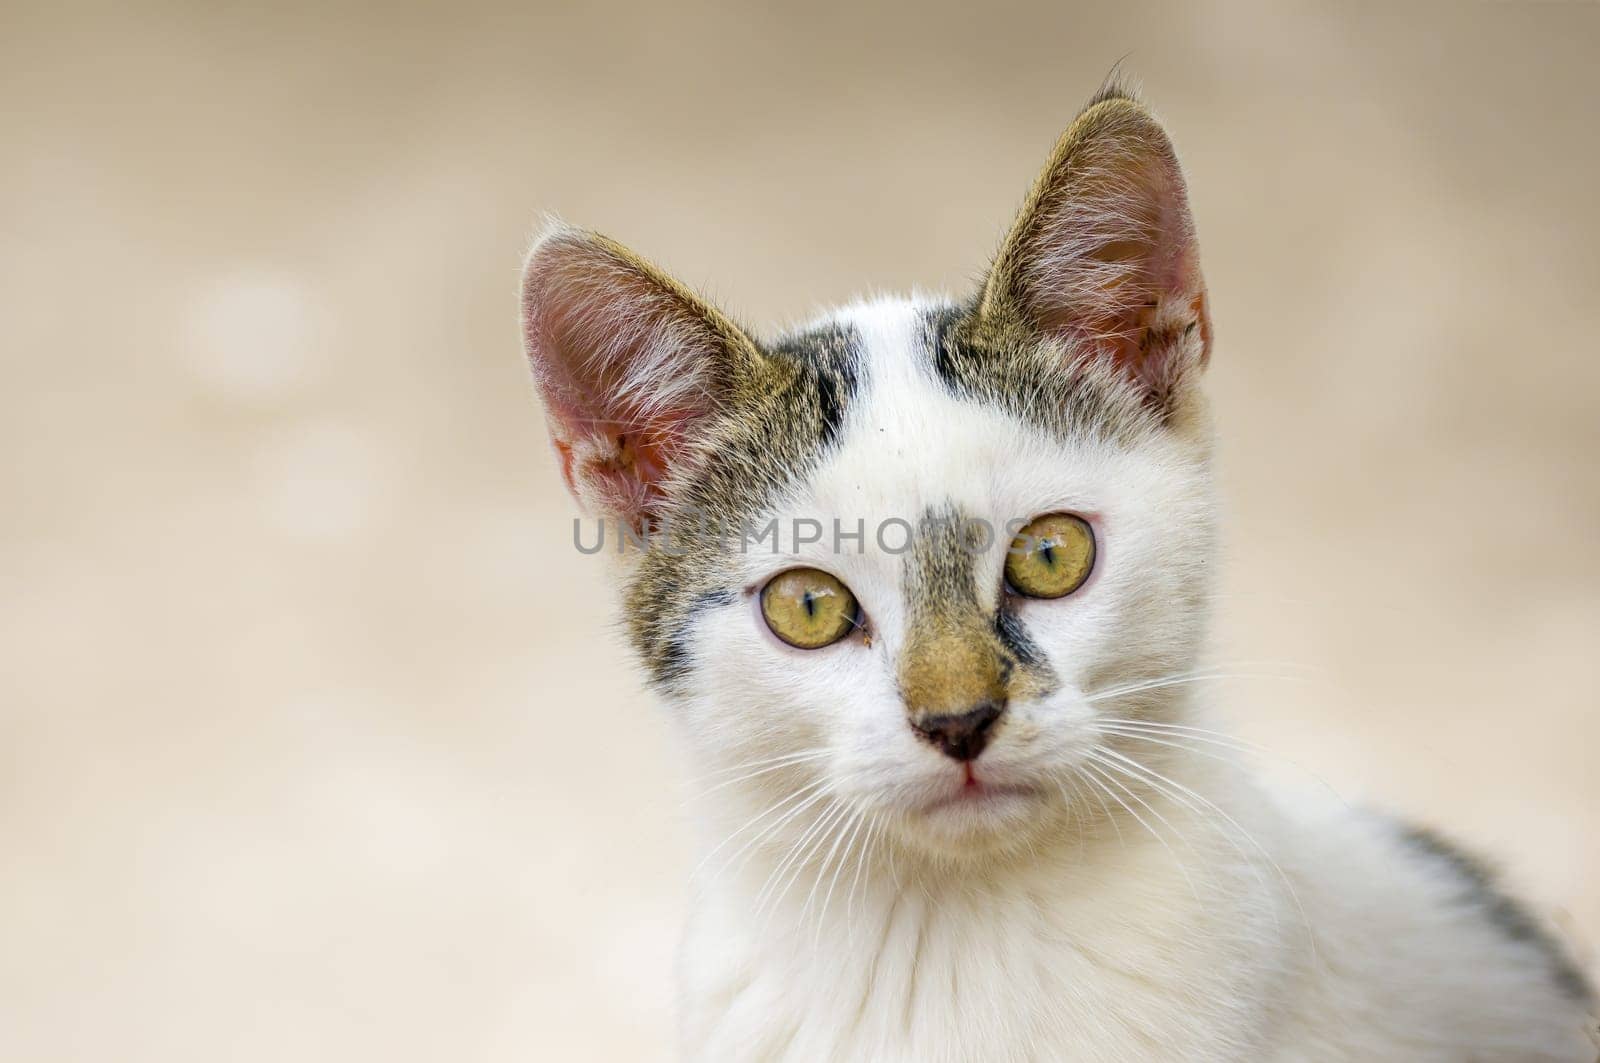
(941, 323)
(1051, 388)
(1481, 891)
(671, 663)
(1008, 625)
(831, 356)
(829, 406)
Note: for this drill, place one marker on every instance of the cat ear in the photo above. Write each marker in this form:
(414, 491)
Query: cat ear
(1103, 255)
(630, 366)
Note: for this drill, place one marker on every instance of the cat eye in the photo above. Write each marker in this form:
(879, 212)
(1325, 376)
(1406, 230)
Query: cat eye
(808, 608)
(1051, 557)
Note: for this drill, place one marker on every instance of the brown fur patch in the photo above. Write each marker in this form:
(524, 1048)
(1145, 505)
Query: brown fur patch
(955, 658)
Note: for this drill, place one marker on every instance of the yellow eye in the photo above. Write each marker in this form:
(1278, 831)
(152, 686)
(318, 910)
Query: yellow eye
(808, 608)
(1051, 557)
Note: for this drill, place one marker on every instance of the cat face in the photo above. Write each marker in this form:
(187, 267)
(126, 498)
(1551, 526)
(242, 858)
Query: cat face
(835, 599)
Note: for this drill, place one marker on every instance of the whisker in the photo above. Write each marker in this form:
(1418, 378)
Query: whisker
(837, 815)
(1110, 817)
(761, 768)
(855, 880)
(859, 819)
(810, 803)
(1139, 737)
(792, 852)
(1180, 679)
(1071, 802)
(839, 836)
(1107, 778)
(1159, 780)
(1119, 767)
(774, 807)
(815, 836)
(1221, 739)
(794, 755)
(1186, 730)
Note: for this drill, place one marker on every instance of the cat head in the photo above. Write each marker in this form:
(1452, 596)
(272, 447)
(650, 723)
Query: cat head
(900, 563)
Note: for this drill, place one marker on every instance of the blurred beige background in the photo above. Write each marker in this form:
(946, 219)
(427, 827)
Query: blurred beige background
(316, 742)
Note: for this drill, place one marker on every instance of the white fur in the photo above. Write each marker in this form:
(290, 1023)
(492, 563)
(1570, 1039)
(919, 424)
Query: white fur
(834, 919)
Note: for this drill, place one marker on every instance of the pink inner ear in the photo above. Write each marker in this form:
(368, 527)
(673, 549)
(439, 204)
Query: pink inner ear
(1114, 264)
(621, 362)
(610, 465)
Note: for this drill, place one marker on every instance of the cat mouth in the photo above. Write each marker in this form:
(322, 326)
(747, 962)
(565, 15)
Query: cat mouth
(976, 795)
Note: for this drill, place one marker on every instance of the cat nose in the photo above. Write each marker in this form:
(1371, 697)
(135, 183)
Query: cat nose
(960, 735)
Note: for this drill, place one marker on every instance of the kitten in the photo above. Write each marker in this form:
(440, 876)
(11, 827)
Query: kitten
(925, 587)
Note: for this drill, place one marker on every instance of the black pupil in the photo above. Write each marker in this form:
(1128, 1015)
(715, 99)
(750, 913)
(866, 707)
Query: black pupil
(1048, 552)
(810, 601)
